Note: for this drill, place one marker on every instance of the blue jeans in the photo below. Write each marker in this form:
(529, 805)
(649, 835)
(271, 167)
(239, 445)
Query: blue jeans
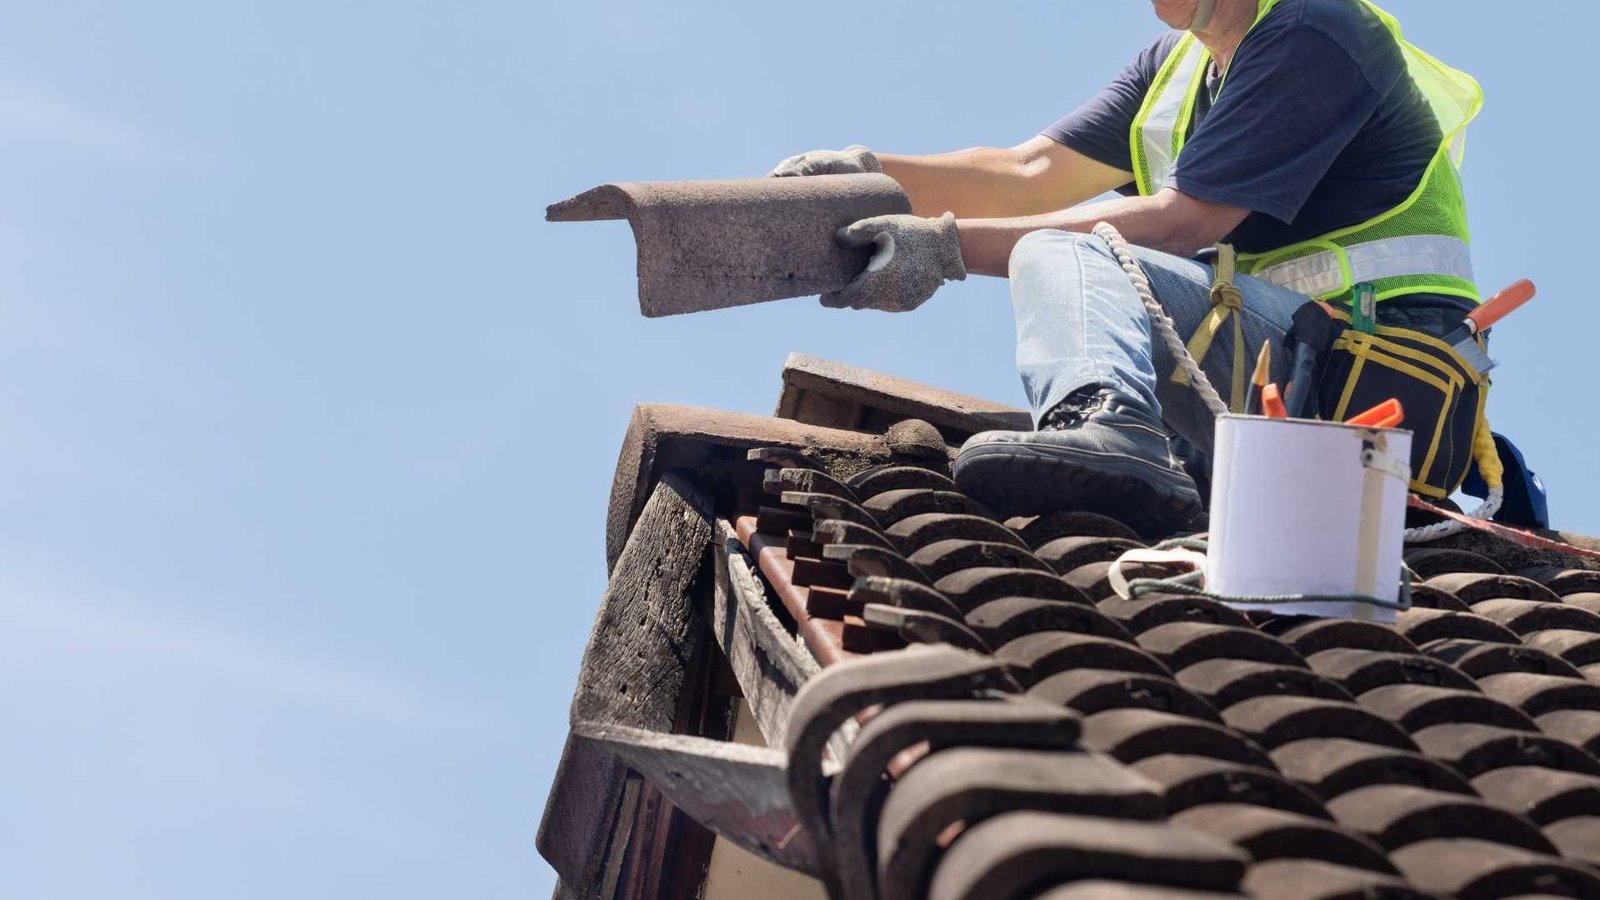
(1081, 324)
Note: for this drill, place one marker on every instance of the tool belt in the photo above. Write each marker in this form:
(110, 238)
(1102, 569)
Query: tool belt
(1443, 395)
(1360, 367)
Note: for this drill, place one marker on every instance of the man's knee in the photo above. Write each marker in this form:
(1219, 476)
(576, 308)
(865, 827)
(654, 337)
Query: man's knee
(1050, 247)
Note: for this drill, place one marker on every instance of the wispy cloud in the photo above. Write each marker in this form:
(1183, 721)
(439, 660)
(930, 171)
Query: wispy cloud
(32, 114)
(35, 624)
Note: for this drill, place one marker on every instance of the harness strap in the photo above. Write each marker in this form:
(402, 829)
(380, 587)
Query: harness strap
(1226, 303)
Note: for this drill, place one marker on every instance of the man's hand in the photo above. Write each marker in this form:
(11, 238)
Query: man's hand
(914, 257)
(852, 160)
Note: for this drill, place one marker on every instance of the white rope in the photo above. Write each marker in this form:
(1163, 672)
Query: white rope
(1448, 527)
(1168, 332)
(1159, 318)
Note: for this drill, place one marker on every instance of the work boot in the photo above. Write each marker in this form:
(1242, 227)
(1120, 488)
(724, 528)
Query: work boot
(1097, 451)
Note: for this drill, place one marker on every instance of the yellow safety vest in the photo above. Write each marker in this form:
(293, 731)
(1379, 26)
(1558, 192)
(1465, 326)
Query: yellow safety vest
(1420, 246)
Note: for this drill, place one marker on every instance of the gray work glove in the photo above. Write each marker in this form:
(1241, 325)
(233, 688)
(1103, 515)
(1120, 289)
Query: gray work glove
(852, 160)
(914, 257)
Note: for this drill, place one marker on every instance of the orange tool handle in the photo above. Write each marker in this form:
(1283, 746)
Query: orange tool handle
(1272, 403)
(1501, 305)
(1387, 414)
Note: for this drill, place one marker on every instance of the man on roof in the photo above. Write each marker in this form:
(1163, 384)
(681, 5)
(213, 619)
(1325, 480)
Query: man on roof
(1305, 134)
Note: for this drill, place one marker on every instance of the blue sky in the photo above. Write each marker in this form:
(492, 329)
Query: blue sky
(307, 419)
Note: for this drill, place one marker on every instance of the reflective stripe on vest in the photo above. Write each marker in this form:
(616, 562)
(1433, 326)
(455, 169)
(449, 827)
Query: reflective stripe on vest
(1325, 272)
(1156, 141)
(1419, 246)
(1157, 138)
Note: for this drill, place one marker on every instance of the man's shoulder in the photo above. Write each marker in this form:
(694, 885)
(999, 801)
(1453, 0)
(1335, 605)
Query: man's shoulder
(1350, 24)
(1341, 20)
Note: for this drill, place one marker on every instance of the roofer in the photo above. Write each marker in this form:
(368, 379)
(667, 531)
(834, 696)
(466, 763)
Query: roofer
(1307, 134)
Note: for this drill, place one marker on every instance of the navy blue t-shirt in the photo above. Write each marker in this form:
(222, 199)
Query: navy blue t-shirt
(1318, 127)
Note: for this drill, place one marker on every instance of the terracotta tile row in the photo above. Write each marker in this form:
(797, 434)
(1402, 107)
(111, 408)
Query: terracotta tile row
(1212, 751)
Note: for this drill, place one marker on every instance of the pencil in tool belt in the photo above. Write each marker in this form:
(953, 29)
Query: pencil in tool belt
(1252, 397)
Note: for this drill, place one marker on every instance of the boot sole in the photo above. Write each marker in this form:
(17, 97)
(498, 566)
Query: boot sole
(1031, 480)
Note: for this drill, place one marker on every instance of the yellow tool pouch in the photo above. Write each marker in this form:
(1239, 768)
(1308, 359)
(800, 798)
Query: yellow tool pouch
(1442, 394)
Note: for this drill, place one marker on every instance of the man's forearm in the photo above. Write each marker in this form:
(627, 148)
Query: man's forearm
(1031, 178)
(979, 183)
(1168, 221)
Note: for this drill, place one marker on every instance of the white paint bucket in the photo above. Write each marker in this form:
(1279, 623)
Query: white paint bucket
(1303, 507)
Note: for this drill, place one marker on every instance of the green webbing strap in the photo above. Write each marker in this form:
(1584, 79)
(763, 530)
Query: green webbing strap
(1226, 303)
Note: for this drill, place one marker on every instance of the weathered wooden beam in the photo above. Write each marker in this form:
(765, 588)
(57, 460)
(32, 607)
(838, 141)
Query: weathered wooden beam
(633, 674)
(668, 852)
(769, 663)
(740, 792)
